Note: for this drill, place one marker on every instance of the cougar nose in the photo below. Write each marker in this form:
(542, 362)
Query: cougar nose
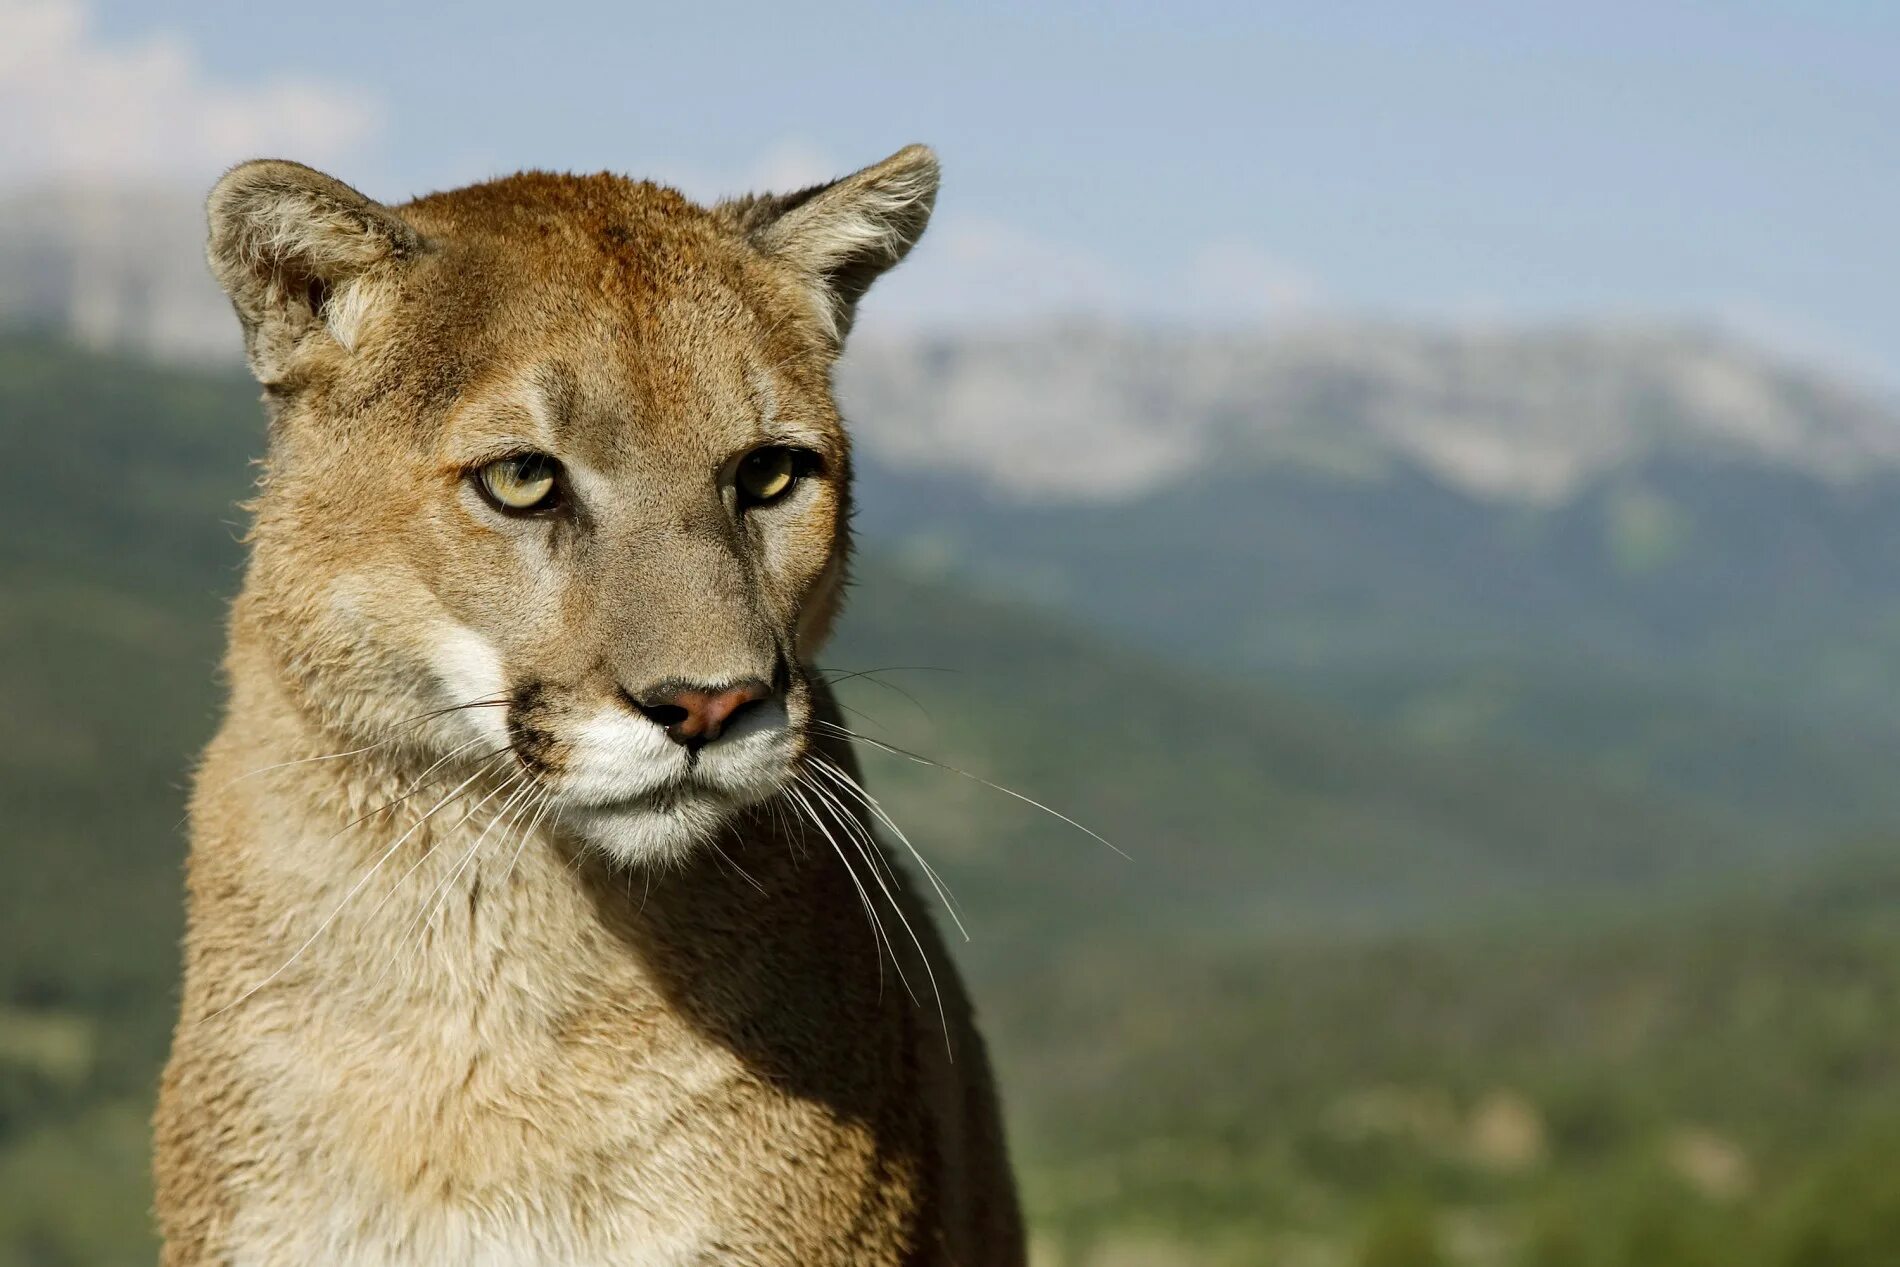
(695, 715)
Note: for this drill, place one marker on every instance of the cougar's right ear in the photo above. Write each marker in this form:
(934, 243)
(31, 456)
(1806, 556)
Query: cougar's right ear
(299, 254)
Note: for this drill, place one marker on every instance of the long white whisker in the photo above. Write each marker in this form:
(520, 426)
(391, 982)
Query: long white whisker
(783, 821)
(974, 778)
(880, 865)
(867, 848)
(877, 924)
(542, 806)
(511, 782)
(328, 756)
(430, 849)
(357, 888)
(422, 781)
(516, 800)
(731, 862)
(395, 732)
(844, 780)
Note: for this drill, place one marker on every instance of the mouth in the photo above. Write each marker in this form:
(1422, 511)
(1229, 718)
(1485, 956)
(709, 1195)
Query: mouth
(666, 799)
(627, 785)
(662, 824)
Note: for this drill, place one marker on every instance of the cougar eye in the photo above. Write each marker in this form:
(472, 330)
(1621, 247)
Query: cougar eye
(519, 484)
(767, 474)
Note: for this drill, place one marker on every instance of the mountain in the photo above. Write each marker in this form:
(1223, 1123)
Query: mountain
(1514, 415)
(113, 267)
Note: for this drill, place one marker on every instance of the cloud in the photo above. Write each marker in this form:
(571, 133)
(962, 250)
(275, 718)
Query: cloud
(985, 271)
(1233, 280)
(973, 271)
(77, 107)
(794, 164)
(790, 164)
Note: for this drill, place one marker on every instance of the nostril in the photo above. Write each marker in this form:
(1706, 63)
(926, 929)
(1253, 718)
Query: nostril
(656, 707)
(666, 714)
(693, 715)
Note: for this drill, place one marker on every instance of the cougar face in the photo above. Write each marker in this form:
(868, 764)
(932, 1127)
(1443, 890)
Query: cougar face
(557, 458)
(640, 614)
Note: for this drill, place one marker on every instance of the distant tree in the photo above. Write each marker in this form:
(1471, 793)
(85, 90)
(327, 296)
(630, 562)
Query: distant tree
(1555, 1240)
(1848, 1213)
(1404, 1233)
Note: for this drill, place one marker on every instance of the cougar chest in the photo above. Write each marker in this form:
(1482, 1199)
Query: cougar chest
(482, 1131)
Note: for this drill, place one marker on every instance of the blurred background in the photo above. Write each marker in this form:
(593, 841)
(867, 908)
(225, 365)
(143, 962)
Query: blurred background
(1423, 480)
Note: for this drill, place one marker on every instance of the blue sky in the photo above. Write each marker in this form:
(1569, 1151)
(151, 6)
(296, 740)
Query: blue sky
(1213, 163)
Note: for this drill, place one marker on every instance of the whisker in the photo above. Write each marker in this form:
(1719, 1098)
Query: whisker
(427, 905)
(846, 733)
(844, 780)
(859, 713)
(542, 806)
(783, 822)
(430, 849)
(422, 782)
(872, 676)
(328, 756)
(880, 865)
(515, 800)
(834, 676)
(867, 848)
(880, 941)
(733, 828)
(396, 731)
(357, 888)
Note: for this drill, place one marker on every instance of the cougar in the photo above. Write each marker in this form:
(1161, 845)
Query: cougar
(536, 914)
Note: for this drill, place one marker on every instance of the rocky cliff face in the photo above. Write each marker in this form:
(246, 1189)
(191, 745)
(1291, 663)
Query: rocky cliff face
(1507, 414)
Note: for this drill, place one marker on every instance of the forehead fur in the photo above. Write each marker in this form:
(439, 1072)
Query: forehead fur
(620, 258)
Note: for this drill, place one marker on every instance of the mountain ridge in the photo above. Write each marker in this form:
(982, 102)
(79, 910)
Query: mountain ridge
(1076, 412)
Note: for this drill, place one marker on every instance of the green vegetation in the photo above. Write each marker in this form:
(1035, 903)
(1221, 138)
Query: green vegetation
(1371, 991)
(1697, 626)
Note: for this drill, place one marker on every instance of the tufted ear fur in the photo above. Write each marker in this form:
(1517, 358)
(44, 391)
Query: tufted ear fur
(841, 236)
(299, 252)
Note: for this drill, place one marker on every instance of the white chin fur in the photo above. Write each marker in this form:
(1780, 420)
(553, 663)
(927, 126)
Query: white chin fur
(632, 834)
(616, 760)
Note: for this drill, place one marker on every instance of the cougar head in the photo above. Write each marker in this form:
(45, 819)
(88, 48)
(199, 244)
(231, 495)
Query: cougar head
(559, 455)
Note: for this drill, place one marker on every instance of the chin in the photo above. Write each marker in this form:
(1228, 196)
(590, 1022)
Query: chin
(650, 834)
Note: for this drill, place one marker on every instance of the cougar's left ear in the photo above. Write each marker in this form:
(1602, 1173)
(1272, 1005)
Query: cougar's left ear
(841, 236)
(296, 251)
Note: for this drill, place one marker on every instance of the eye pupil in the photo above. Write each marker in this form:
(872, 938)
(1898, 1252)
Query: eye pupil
(523, 483)
(767, 474)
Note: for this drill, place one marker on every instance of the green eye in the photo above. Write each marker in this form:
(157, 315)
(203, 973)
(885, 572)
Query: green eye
(767, 474)
(519, 484)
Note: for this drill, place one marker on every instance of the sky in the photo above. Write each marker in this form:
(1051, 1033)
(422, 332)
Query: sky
(1213, 164)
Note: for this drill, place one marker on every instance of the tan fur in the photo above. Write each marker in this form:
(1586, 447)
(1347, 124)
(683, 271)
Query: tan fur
(535, 1028)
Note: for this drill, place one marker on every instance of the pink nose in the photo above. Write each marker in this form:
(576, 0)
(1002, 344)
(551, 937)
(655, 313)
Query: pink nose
(695, 715)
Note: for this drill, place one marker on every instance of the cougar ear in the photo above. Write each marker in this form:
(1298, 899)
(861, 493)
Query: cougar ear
(296, 251)
(841, 236)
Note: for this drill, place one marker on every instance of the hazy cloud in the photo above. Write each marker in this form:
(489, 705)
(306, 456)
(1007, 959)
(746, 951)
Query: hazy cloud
(795, 164)
(974, 270)
(971, 271)
(1235, 280)
(76, 107)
